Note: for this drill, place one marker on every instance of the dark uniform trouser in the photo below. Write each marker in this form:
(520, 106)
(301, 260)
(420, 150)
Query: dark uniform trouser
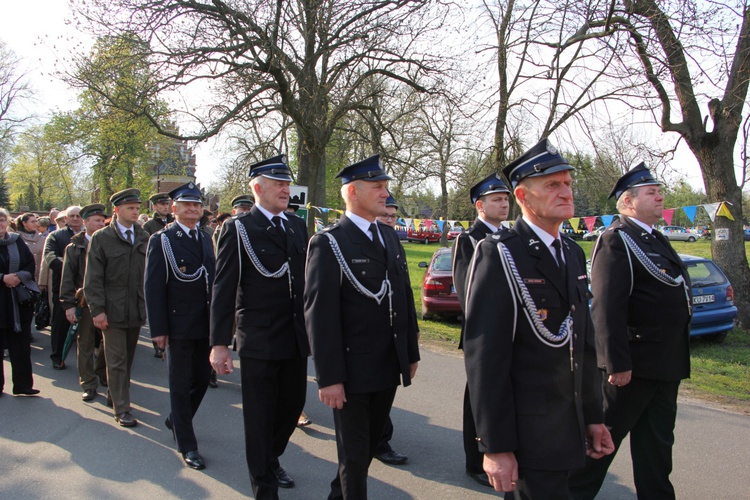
(189, 372)
(119, 348)
(59, 326)
(646, 409)
(85, 347)
(536, 484)
(359, 427)
(19, 352)
(273, 396)
(474, 457)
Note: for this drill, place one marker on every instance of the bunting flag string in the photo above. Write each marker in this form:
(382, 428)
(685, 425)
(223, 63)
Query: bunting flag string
(721, 209)
(690, 212)
(667, 214)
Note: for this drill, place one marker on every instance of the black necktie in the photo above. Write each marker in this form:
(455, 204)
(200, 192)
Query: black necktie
(375, 236)
(128, 235)
(559, 257)
(279, 228)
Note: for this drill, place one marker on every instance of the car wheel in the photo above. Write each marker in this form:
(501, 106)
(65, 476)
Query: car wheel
(426, 240)
(691, 239)
(717, 338)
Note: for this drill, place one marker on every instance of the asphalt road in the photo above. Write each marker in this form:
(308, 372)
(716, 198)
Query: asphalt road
(56, 446)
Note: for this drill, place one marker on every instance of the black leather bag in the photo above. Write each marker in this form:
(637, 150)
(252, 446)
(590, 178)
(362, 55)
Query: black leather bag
(26, 297)
(42, 312)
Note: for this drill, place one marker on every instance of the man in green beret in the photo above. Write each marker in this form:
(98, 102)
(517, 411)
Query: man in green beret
(113, 284)
(74, 303)
(162, 216)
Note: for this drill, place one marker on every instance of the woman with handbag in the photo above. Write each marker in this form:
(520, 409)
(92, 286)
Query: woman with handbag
(17, 296)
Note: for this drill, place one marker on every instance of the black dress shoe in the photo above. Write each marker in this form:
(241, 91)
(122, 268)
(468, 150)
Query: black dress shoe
(480, 477)
(168, 424)
(284, 480)
(88, 395)
(392, 458)
(58, 365)
(26, 392)
(194, 459)
(212, 382)
(126, 419)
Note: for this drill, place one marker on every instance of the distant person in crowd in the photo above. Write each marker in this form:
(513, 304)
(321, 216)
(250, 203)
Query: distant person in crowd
(113, 286)
(91, 368)
(27, 226)
(43, 225)
(260, 277)
(53, 216)
(205, 222)
(162, 216)
(16, 271)
(641, 310)
(528, 341)
(363, 341)
(491, 198)
(54, 251)
(242, 203)
(221, 217)
(180, 268)
(142, 219)
(161, 203)
(384, 452)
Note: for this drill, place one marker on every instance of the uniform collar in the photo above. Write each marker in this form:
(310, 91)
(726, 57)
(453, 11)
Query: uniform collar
(643, 225)
(492, 228)
(269, 214)
(362, 223)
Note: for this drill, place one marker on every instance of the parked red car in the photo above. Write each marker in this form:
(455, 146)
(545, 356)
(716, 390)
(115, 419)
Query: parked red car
(438, 293)
(424, 235)
(453, 233)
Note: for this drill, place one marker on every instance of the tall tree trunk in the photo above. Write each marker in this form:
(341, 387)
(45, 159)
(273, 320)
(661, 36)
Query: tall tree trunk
(730, 255)
(312, 173)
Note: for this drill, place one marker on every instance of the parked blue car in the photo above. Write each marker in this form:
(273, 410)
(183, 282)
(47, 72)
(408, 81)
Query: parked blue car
(713, 299)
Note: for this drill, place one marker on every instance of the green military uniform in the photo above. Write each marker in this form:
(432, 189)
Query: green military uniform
(74, 267)
(114, 285)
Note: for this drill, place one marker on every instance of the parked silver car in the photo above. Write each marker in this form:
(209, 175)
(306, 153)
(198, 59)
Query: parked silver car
(678, 233)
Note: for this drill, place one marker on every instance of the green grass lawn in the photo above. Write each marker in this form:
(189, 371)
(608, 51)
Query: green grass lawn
(720, 372)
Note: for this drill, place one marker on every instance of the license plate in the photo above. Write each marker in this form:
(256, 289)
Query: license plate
(703, 299)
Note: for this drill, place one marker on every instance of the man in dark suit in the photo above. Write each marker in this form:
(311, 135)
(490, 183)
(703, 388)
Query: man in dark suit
(260, 273)
(357, 316)
(641, 311)
(161, 203)
(179, 274)
(491, 197)
(54, 253)
(529, 345)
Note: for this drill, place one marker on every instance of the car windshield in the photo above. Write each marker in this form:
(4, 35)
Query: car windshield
(442, 262)
(705, 274)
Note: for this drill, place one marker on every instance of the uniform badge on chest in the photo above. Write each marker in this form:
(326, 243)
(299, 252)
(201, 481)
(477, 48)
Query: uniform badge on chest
(543, 314)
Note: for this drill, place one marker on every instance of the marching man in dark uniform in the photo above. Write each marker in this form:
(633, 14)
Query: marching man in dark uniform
(357, 315)
(641, 311)
(74, 303)
(491, 197)
(161, 203)
(528, 341)
(260, 274)
(385, 453)
(113, 286)
(180, 268)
